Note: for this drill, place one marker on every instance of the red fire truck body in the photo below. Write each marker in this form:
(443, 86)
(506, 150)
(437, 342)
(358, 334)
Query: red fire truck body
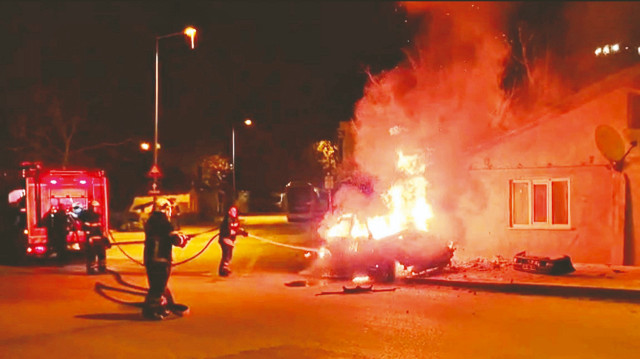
(65, 190)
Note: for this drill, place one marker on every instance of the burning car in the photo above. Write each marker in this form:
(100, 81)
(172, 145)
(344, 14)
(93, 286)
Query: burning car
(382, 259)
(379, 234)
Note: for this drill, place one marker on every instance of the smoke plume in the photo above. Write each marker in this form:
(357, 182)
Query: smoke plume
(475, 71)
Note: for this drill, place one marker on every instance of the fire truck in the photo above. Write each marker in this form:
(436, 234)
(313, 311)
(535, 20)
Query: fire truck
(48, 190)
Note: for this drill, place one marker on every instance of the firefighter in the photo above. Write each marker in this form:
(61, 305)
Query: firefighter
(76, 209)
(96, 242)
(175, 213)
(58, 228)
(158, 242)
(229, 228)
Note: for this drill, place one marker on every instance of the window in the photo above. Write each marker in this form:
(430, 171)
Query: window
(539, 203)
(520, 203)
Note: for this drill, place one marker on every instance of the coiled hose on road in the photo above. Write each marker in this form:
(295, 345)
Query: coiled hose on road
(301, 248)
(113, 242)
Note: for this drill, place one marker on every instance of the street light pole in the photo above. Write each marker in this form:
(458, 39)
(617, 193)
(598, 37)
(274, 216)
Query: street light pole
(233, 159)
(190, 32)
(247, 122)
(155, 136)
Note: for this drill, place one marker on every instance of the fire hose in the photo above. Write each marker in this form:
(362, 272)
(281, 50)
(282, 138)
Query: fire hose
(190, 236)
(119, 244)
(306, 249)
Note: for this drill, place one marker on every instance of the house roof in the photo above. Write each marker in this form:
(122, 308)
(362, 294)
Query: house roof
(626, 78)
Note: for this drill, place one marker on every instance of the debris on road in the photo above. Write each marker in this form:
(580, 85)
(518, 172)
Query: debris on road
(542, 265)
(296, 283)
(482, 264)
(358, 290)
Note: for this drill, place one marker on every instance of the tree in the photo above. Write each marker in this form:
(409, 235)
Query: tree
(46, 126)
(213, 169)
(327, 154)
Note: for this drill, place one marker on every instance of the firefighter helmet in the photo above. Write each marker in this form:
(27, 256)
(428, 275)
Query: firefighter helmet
(233, 211)
(77, 208)
(162, 205)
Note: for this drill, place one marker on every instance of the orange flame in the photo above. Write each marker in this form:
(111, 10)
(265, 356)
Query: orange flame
(405, 204)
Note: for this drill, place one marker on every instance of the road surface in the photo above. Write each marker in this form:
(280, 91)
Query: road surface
(56, 312)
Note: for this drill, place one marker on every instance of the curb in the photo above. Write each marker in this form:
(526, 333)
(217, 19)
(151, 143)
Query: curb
(619, 294)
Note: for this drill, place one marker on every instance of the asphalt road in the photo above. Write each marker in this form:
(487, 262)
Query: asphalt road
(57, 312)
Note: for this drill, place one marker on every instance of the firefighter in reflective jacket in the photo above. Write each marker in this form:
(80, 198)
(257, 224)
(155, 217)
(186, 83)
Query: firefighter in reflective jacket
(158, 244)
(96, 242)
(229, 228)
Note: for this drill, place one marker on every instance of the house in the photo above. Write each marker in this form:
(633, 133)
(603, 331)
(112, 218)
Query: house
(553, 187)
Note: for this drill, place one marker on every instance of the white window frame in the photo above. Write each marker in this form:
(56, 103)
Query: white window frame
(549, 222)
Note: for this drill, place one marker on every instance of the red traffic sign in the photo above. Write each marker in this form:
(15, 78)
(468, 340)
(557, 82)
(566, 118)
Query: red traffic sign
(154, 172)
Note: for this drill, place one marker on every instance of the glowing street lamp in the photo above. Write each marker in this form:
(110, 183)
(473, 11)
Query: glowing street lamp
(191, 33)
(247, 122)
(146, 146)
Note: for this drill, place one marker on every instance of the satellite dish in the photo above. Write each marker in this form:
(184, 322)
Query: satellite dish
(610, 143)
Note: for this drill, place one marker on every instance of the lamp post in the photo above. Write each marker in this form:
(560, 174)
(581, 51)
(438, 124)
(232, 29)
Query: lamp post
(247, 122)
(191, 33)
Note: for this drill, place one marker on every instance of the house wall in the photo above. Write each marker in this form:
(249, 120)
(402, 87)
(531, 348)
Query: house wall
(558, 146)
(632, 225)
(596, 232)
(632, 172)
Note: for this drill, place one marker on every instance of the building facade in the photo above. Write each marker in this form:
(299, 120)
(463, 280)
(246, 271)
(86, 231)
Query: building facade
(559, 185)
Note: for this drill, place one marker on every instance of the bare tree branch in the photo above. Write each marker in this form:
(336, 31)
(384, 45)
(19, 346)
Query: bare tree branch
(104, 144)
(524, 45)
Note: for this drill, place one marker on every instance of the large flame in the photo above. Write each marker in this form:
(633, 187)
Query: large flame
(410, 131)
(416, 120)
(405, 206)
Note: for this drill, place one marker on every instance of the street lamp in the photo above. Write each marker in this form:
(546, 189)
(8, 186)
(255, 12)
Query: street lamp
(146, 146)
(247, 122)
(191, 33)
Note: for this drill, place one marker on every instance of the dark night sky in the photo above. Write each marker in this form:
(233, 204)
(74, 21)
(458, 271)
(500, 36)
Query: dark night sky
(296, 68)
